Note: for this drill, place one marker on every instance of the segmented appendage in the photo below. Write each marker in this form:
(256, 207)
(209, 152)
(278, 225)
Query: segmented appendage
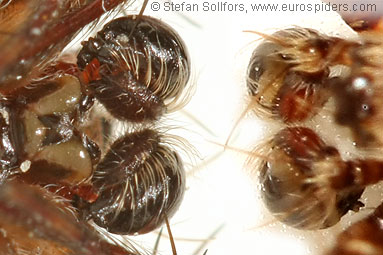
(363, 237)
(291, 77)
(359, 107)
(359, 95)
(288, 73)
(137, 68)
(137, 75)
(140, 181)
(301, 180)
(306, 184)
(34, 221)
(35, 32)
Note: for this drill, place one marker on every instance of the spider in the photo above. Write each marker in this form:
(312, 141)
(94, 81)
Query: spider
(296, 77)
(59, 170)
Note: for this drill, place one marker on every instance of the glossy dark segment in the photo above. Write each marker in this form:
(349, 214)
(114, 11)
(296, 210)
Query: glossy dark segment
(11, 141)
(139, 182)
(280, 77)
(133, 72)
(299, 155)
(45, 118)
